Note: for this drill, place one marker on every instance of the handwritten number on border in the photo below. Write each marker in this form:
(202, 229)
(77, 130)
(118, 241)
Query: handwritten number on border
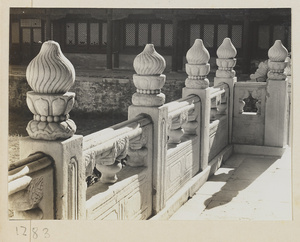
(35, 232)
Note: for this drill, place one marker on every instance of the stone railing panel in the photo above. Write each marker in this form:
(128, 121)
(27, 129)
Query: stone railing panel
(248, 126)
(31, 188)
(130, 197)
(180, 113)
(183, 153)
(219, 119)
(105, 149)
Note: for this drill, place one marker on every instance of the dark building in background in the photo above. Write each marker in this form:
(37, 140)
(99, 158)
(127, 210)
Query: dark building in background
(111, 38)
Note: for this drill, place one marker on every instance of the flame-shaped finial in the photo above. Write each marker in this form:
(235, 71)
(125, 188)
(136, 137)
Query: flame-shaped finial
(50, 71)
(149, 62)
(197, 54)
(226, 50)
(277, 52)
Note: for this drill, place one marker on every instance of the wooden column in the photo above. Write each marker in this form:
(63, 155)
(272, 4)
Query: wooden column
(109, 40)
(116, 43)
(246, 43)
(175, 44)
(48, 26)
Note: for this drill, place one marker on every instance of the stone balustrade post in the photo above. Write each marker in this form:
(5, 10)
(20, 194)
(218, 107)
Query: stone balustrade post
(50, 74)
(197, 83)
(226, 61)
(276, 117)
(288, 72)
(149, 100)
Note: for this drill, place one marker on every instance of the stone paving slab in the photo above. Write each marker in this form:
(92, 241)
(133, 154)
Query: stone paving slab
(246, 187)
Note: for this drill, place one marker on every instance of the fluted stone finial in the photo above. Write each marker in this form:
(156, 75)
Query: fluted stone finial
(197, 67)
(276, 63)
(226, 60)
(277, 52)
(50, 74)
(149, 62)
(226, 50)
(149, 66)
(50, 71)
(198, 54)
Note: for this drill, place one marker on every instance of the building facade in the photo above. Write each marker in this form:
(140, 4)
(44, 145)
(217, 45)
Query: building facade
(111, 38)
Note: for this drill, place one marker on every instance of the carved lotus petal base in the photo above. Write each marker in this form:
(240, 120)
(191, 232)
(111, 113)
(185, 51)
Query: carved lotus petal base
(108, 172)
(51, 131)
(54, 105)
(225, 73)
(276, 76)
(155, 100)
(197, 70)
(226, 63)
(149, 82)
(197, 83)
(273, 65)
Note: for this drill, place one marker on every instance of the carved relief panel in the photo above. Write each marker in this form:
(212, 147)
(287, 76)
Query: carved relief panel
(249, 113)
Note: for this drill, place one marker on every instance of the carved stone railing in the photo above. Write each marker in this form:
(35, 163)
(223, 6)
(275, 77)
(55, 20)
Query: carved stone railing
(122, 154)
(153, 162)
(256, 93)
(31, 188)
(249, 122)
(105, 149)
(216, 102)
(266, 122)
(183, 153)
(183, 118)
(219, 119)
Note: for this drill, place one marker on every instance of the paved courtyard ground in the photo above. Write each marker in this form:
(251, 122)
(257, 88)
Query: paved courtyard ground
(246, 187)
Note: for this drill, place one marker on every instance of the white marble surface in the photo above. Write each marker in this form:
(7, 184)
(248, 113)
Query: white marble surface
(246, 187)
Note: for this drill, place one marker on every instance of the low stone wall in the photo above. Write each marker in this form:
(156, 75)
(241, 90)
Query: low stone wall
(95, 61)
(110, 91)
(103, 94)
(18, 87)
